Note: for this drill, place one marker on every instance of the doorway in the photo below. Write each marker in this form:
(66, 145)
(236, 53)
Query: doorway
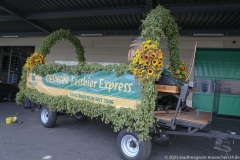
(12, 59)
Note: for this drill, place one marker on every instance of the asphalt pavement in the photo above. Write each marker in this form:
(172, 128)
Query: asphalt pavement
(92, 140)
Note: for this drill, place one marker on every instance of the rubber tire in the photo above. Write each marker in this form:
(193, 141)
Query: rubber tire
(170, 140)
(144, 146)
(35, 106)
(50, 119)
(80, 117)
(12, 96)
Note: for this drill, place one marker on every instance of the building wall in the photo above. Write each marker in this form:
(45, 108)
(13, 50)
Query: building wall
(115, 48)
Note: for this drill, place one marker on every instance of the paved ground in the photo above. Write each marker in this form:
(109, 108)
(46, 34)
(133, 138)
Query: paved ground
(91, 140)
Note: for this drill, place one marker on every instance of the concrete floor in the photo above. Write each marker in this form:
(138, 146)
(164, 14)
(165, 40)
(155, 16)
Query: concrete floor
(91, 140)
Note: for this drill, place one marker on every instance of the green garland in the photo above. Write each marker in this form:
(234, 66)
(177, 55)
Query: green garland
(159, 23)
(139, 119)
(58, 35)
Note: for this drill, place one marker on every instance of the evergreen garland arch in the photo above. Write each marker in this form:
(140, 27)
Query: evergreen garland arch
(160, 23)
(58, 35)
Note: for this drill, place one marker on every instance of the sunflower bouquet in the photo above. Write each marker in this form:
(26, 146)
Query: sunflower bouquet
(35, 58)
(181, 72)
(147, 61)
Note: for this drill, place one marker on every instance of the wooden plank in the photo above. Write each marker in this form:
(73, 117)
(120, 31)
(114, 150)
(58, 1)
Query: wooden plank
(165, 111)
(167, 88)
(204, 117)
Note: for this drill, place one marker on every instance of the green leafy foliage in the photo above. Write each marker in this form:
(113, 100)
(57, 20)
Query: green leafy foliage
(139, 119)
(160, 24)
(58, 35)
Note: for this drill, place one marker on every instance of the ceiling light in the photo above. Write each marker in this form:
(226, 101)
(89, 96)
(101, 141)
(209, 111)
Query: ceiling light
(208, 34)
(10, 36)
(92, 35)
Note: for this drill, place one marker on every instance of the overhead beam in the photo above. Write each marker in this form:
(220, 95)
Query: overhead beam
(18, 14)
(127, 11)
(86, 13)
(8, 18)
(184, 32)
(226, 32)
(204, 8)
(89, 13)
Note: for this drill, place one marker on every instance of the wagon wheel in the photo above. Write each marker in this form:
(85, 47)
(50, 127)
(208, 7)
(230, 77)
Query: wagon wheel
(164, 139)
(48, 117)
(80, 117)
(130, 148)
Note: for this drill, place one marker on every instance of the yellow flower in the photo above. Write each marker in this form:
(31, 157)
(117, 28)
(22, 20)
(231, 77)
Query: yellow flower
(181, 67)
(135, 60)
(146, 46)
(150, 71)
(154, 46)
(148, 41)
(146, 56)
(147, 60)
(146, 63)
(140, 74)
(160, 55)
(134, 71)
(160, 63)
(154, 55)
(35, 58)
(155, 62)
(140, 61)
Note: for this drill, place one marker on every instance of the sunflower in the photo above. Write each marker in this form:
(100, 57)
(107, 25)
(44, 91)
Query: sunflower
(154, 46)
(140, 74)
(146, 56)
(146, 46)
(160, 62)
(150, 71)
(154, 62)
(160, 55)
(147, 61)
(181, 67)
(153, 55)
(140, 61)
(35, 58)
(134, 71)
(148, 41)
(135, 60)
(139, 53)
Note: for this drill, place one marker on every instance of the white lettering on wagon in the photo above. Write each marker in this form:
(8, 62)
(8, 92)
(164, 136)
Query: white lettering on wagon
(53, 78)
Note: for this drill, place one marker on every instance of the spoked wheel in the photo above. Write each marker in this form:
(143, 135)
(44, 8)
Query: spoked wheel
(130, 148)
(48, 118)
(163, 139)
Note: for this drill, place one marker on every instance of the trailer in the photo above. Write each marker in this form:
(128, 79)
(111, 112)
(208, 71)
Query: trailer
(141, 112)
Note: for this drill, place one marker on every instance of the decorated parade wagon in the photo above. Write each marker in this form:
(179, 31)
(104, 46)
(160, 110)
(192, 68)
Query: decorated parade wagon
(142, 99)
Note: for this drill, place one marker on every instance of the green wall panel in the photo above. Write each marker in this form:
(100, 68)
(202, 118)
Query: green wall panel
(217, 64)
(202, 101)
(222, 65)
(228, 105)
